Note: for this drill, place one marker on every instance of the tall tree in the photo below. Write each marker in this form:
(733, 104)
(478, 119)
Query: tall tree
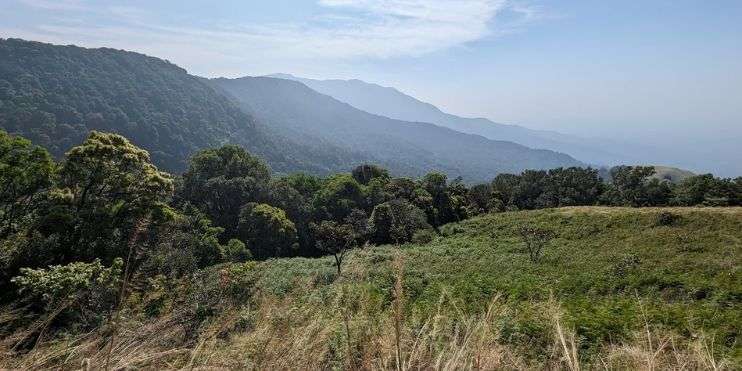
(266, 231)
(25, 170)
(220, 180)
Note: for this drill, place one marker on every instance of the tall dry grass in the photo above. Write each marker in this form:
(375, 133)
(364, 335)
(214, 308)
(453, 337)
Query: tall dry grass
(348, 329)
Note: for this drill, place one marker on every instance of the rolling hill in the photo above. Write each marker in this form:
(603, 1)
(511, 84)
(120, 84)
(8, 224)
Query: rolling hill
(409, 148)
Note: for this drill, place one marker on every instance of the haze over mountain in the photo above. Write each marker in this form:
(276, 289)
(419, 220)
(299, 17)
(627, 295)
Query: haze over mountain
(392, 103)
(660, 149)
(411, 147)
(54, 95)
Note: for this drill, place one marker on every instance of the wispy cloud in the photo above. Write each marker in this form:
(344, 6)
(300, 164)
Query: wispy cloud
(345, 30)
(55, 4)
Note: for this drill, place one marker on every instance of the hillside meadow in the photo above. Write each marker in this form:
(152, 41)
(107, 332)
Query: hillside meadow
(616, 288)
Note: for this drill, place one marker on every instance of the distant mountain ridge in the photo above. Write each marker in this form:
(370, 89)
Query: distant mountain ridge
(408, 148)
(392, 103)
(54, 95)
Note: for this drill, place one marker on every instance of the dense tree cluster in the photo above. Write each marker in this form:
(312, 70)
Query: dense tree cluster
(105, 207)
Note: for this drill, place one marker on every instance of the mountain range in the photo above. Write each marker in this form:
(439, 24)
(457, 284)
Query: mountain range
(55, 94)
(392, 103)
(410, 148)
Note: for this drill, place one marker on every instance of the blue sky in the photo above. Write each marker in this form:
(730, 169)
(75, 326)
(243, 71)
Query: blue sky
(658, 72)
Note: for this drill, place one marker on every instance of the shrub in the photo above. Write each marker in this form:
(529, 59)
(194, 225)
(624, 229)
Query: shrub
(82, 292)
(666, 218)
(536, 240)
(68, 282)
(423, 236)
(236, 251)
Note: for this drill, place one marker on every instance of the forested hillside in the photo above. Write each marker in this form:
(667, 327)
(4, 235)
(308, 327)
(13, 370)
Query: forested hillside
(54, 95)
(411, 148)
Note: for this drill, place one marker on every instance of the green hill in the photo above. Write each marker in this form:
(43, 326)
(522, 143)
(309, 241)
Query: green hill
(55, 95)
(617, 287)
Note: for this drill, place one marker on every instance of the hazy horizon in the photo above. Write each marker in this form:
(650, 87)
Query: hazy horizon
(662, 74)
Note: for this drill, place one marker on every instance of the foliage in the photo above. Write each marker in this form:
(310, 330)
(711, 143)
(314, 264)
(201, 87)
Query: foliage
(632, 186)
(109, 185)
(184, 244)
(25, 170)
(90, 287)
(363, 174)
(395, 222)
(219, 181)
(335, 239)
(536, 240)
(707, 190)
(338, 196)
(236, 251)
(536, 189)
(266, 231)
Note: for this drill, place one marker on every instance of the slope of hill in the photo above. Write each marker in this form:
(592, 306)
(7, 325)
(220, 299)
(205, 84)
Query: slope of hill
(390, 102)
(613, 290)
(672, 174)
(411, 148)
(54, 95)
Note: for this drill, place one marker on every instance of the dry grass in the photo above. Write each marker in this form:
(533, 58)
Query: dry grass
(287, 334)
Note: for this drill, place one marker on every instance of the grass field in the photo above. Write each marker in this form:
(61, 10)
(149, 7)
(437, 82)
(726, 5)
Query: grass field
(617, 288)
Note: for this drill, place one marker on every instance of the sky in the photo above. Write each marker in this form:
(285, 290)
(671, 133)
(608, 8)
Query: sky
(656, 72)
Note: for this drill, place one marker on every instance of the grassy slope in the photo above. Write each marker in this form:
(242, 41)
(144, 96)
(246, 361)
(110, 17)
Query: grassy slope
(611, 273)
(604, 263)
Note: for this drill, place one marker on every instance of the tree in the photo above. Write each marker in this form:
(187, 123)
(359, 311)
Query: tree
(363, 174)
(25, 170)
(572, 186)
(480, 199)
(337, 197)
(503, 187)
(107, 187)
(705, 189)
(266, 230)
(220, 180)
(358, 221)
(396, 222)
(298, 208)
(628, 186)
(536, 239)
(335, 239)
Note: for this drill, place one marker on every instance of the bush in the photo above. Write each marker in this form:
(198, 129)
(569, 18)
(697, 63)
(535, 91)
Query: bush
(83, 292)
(59, 283)
(236, 251)
(423, 236)
(666, 218)
(219, 287)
